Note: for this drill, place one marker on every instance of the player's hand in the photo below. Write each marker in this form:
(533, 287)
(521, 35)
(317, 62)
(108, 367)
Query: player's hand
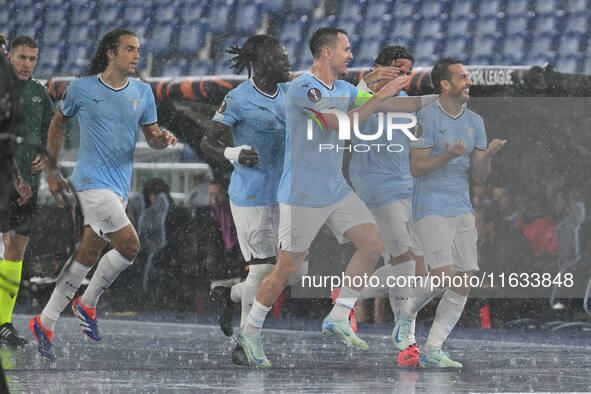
(166, 138)
(57, 185)
(393, 87)
(380, 74)
(39, 163)
(457, 150)
(248, 158)
(23, 189)
(495, 146)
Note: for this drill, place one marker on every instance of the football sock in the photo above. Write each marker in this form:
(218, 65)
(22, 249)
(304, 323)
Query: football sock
(246, 291)
(344, 303)
(67, 284)
(10, 279)
(448, 313)
(109, 267)
(255, 319)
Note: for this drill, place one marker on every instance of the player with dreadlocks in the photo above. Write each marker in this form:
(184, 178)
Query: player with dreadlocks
(110, 106)
(254, 114)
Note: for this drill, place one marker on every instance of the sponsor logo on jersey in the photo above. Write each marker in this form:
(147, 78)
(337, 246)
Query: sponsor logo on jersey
(134, 103)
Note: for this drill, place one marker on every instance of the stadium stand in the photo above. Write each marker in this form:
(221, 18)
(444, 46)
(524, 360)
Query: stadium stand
(191, 32)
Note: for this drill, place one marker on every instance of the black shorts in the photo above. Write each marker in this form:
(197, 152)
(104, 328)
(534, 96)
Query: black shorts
(20, 218)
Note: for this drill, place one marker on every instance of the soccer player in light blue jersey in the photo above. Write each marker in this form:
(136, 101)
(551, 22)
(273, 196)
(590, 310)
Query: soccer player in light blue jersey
(382, 180)
(254, 114)
(451, 146)
(313, 190)
(110, 106)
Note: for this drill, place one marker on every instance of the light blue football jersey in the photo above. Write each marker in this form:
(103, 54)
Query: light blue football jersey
(109, 122)
(445, 191)
(311, 177)
(258, 120)
(381, 177)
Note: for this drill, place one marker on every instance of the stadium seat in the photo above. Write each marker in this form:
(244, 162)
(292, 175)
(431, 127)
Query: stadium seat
(349, 8)
(163, 42)
(458, 28)
(218, 18)
(26, 16)
(167, 13)
(404, 9)
(191, 39)
(57, 15)
(486, 26)
(513, 45)
(377, 10)
(175, 67)
(50, 59)
(109, 15)
(430, 28)
(77, 57)
(402, 31)
(194, 11)
(577, 6)
(203, 67)
(483, 46)
(569, 45)
(293, 49)
(84, 33)
(456, 47)
(460, 8)
(294, 28)
(587, 66)
(137, 13)
(543, 44)
(274, 7)
(5, 17)
(430, 9)
(247, 18)
(303, 6)
(545, 25)
(82, 12)
(546, 7)
(517, 8)
(426, 51)
(222, 58)
(576, 24)
(367, 53)
(517, 25)
(373, 31)
(568, 64)
(489, 8)
(52, 35)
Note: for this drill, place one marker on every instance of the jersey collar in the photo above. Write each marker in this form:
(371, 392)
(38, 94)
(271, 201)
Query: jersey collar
(263, 93)
(325, 85)
(109, 86)
(448, 114)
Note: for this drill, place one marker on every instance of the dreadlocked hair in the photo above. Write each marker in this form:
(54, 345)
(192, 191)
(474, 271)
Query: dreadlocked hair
(100, 61)
(246, 55)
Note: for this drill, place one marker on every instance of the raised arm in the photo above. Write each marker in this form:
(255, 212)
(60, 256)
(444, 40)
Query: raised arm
(480, 160)
(212, 145)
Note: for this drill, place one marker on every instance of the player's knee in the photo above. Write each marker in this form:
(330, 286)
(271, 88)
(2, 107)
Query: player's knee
(372, 249)
(129, 248)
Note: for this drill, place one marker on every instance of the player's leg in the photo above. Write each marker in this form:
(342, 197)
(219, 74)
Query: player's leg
(256, 229)
(297, 228)
(352, 220)
(21, 222)
(437, 242)
(66, 286)
(454, 298)
(110, 221)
